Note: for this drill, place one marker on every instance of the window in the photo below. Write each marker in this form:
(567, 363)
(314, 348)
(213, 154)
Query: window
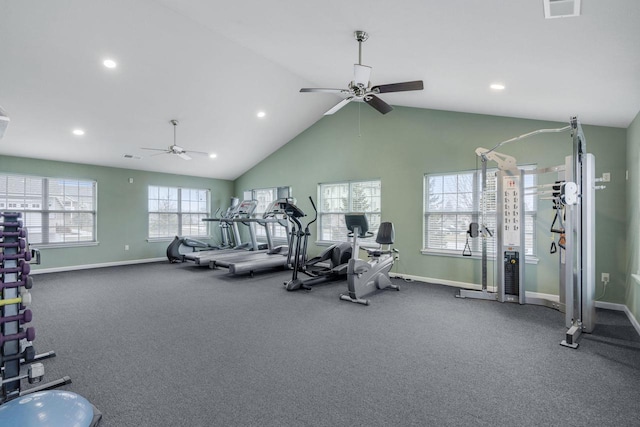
(265, 196)
(177, 212)
(56, 211)
(453, 200)
(336, 199)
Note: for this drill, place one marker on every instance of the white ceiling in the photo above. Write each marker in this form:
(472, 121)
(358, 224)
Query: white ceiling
(213, 65)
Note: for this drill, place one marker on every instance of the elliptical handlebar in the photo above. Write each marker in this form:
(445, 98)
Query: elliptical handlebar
(315, 210)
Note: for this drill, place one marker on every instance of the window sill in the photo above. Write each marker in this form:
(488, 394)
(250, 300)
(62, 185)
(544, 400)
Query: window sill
(529, 259)
(160, 239)
(62, 245)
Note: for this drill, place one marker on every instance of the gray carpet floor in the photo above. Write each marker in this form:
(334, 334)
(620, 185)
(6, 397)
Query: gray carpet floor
(168, 345)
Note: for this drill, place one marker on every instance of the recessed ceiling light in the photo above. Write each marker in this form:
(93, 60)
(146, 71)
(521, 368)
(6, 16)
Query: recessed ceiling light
(497, 86)
(261, 114)
(78, 132)
(110, 63)
(213, 155)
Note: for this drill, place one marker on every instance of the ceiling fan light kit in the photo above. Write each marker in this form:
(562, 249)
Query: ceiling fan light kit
(360, 89)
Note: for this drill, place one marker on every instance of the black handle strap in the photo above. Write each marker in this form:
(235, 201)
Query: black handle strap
(467, 249)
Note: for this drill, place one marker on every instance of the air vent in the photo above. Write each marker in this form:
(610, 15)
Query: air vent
(561, 8)
(131, 156)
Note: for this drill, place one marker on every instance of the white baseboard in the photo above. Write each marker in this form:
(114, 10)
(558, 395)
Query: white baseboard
(620, 307)
(632, 319)
(599, 304)
(101, 265)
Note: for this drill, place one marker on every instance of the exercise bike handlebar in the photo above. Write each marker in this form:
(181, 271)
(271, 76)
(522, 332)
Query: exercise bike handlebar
(361, 235)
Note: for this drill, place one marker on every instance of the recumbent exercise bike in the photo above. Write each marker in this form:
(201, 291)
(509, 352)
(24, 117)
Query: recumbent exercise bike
(367, 277)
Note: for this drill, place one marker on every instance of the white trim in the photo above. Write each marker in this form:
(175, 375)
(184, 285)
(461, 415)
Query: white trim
(101, 265)
(623, 308)
(632, 319)
(610, 306)
(548, 297)
(64, 245)
(599, 304)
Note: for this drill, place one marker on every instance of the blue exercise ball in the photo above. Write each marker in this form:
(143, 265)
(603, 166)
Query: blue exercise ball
(47, 408)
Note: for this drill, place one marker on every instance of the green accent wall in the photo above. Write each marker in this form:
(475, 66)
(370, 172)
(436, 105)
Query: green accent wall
(633, 217)
(122, 209)
(400, 147)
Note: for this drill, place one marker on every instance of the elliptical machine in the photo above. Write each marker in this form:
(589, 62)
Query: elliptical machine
(366, 277)
(336, 255)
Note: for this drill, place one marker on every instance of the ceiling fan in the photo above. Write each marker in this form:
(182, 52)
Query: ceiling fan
(174, 149)
(360, 88)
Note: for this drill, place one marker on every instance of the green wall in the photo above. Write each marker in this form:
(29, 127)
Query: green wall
(633, 219)
(122, 209)
(400, 147)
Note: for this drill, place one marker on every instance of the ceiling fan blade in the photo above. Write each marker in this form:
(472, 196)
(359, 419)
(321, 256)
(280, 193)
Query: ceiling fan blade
(154, 149)
(319, 89)
(378, 104)
(196, 152)
(338, 106)
(398, 87)
(183, 156)
(361, 74)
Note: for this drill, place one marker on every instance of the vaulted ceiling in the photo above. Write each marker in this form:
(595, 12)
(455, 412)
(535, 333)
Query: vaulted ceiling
(214, 65)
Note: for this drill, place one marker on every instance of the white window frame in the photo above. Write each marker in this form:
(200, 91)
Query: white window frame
(265, 196)
(57, 212)
(182, 214)
(457, 236)
(337, 198)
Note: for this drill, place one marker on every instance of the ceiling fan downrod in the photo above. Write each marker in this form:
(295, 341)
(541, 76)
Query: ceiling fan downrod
(174, 122)
(361, 36)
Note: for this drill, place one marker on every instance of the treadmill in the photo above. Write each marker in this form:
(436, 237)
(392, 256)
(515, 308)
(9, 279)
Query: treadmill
(241, 215)
(272, 257)
(281, 259)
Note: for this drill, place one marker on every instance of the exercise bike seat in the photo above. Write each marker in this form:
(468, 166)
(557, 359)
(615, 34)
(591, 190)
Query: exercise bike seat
(386, 236)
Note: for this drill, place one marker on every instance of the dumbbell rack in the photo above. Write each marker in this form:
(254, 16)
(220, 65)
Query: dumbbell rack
(16, 347)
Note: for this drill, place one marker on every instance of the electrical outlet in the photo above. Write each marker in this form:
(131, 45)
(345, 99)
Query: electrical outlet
(126, 247)
(605, 277)
(606, 177)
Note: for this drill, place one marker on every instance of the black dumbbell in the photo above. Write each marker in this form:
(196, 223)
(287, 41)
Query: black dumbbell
(27, 355)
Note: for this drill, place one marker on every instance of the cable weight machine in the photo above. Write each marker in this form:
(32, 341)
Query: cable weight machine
(574, 195)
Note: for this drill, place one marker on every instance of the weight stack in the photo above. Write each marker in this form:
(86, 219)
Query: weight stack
(512, 273)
